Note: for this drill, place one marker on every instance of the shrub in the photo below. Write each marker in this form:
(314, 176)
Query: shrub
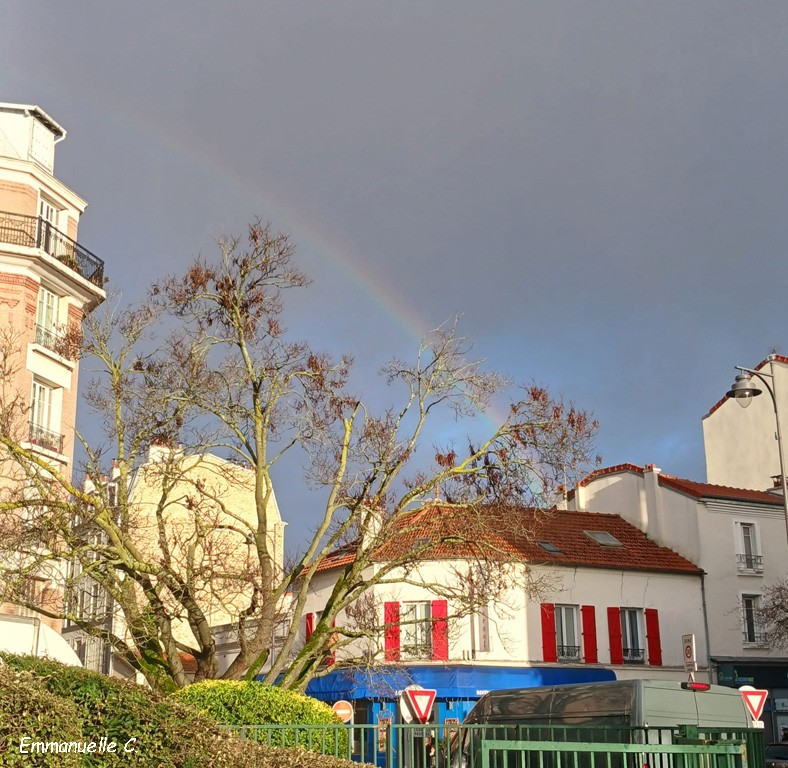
(51, 702)
(27, 709)
(237, 703)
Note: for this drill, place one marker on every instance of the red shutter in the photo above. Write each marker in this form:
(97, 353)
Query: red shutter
(549, 648)
(440, 630)
(588, 615)
(310, 625)
(614, 632)
(391, 637)
(652, 637)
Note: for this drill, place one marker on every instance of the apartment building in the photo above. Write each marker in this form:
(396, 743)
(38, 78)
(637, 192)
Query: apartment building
(48, 283)
(737, 536)
(197, 513)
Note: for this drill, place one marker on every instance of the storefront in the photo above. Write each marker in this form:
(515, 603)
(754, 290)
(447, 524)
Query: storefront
(770, 675)
(375, 693)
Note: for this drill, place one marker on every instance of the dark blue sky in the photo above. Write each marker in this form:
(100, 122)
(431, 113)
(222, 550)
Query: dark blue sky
(598, 188)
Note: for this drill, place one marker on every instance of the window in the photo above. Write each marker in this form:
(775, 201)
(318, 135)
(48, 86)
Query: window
(32, 592)
(567, 645)
(416, 625)
(631, 635)
(754, 633)
(48, 220)
(748, 557)
(416, 630)
(549, 547)
(625, 627)
(47, 319)
(43, 401)
(604, 538)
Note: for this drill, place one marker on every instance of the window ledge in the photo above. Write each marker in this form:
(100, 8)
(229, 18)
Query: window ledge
(52, 355)
(61, 458)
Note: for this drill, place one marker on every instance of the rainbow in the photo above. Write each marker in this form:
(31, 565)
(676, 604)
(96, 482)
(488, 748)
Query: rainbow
(323, 241)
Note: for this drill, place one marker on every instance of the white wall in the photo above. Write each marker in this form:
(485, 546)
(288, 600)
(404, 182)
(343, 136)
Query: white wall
(516, 623)
(741, 450)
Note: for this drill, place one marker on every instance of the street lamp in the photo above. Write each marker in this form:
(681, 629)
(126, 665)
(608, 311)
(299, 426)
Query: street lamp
(743, 391)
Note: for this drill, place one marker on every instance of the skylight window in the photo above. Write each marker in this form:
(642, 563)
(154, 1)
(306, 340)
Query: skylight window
(549, 547)
(604, 538)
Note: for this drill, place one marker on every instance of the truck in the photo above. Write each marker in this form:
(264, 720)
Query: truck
(620, 711)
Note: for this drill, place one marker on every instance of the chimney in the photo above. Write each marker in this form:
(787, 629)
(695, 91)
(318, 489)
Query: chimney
(115, 469)
(651, 510)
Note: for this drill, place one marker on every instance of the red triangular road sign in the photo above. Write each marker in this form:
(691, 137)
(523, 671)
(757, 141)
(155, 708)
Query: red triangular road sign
(421, 701)
(754, 699)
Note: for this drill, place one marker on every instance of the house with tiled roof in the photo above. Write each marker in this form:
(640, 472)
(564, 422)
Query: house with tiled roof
(736, 536)
(602, 605)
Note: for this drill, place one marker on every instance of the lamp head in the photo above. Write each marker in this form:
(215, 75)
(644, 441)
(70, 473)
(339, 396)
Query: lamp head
(743, 390)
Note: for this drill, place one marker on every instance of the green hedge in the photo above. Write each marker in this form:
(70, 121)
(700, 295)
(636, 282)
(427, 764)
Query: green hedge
(49, 702)
(28, 712)
(237, 703)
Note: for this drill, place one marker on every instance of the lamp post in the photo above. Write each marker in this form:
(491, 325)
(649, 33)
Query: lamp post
(743, 391)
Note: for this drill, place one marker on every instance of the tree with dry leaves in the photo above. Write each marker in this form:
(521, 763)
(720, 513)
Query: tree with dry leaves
(774, 613)
(228, 378)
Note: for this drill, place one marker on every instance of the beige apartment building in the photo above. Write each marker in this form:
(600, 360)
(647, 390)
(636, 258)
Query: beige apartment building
(197, 511)
(48, 283)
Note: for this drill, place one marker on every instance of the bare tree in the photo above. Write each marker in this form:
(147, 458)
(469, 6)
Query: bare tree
(774, 613)
(229, 378)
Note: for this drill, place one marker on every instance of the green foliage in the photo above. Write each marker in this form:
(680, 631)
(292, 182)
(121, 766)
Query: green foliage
(51, 702)
(27, 709)
(239, 703)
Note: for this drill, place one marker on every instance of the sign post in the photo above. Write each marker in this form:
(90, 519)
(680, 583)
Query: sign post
(419, 701)
(690, 660)
(343, 710)
(755, 699)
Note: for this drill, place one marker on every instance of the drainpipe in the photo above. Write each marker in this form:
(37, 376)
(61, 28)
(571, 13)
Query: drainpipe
(706, 623)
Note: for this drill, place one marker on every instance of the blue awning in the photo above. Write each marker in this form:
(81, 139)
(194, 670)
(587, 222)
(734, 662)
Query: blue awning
(452, 682)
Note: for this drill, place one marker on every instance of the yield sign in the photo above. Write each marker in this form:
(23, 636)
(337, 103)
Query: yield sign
(421, 701)
(754, 699)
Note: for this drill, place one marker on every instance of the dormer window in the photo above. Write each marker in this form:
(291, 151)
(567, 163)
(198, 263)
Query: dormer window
(604, 538)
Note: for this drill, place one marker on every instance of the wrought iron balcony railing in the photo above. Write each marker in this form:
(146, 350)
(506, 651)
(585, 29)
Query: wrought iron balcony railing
(568, 651)
(634, 656)
(749, 563)
(45, 438)
(756, 637)
(35, 232)
(49, 338)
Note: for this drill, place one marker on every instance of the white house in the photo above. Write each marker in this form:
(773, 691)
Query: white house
(736, 536)
(606, 606)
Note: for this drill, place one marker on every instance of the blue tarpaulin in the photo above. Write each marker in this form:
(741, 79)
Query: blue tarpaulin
(450, 682)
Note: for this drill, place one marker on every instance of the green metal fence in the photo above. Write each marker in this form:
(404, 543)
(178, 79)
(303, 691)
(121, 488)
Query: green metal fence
(501, 746)
(543, 754)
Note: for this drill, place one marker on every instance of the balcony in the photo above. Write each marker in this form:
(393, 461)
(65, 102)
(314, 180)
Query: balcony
(749, 563)
(569, 652)
(634, 656)
(45, 438)
(35, 232)
(756, 638)
(50, 338)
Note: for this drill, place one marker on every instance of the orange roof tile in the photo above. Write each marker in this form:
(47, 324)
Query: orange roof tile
(516, 533)
(690, 487)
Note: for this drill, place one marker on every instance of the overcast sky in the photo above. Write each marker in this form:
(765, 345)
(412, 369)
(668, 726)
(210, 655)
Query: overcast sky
(599, 188)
